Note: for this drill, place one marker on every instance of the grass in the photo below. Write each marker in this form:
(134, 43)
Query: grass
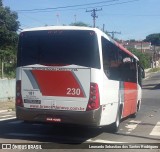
(154, 69)
(7, 105)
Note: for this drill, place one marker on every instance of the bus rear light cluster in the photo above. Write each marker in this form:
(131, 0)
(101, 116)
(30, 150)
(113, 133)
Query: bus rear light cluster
(93, 102)
(19, 101)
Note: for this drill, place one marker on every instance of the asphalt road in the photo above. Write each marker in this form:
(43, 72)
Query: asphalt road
(145, 128)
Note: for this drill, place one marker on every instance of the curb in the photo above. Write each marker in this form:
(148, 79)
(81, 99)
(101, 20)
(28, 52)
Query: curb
(1, 111)
(149, 74)
(7, 110)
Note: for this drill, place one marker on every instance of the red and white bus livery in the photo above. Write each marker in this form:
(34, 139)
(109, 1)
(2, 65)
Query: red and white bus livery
(75, 75)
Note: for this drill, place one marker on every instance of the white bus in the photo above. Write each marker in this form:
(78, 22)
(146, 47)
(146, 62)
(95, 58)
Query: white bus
(75, 75)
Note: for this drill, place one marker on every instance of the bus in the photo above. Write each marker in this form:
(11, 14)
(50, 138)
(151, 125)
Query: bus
(75, 75)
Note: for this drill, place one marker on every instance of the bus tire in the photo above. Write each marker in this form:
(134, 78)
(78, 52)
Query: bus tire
(134, 115)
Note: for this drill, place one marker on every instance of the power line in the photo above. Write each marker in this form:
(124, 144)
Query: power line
(63, 7)
(73, 6)
(130, 1)
(93, 14)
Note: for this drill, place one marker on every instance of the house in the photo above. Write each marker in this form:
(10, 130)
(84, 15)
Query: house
(144, 47)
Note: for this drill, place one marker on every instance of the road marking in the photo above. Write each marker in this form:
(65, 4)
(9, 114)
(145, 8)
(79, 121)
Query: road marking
(102, 141)
(156, 130)
(7, 118)
(132, 126)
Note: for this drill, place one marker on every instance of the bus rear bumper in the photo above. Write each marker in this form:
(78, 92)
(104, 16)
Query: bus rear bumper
(86, 118)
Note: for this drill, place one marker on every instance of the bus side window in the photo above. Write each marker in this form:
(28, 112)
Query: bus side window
(129, 72)
(110, 60)
(117, 64)
(106, 63)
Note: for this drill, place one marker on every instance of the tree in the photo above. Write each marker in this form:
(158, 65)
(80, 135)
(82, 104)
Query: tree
(80, 24)
(8, 35)
(144, 59)
(154, 39)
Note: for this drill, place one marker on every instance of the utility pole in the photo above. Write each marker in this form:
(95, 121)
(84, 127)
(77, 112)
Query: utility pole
(113, 33)
(2, 65)
(93, 14)
(75, 18)
(141, 46)
(103, 27)
(2, 69)
(57, 18)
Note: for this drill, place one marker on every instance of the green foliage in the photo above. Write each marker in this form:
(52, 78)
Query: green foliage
(8, 38)
(8, 27)
(154, 39)
(80, 24)
(0, 3)
(145, 59)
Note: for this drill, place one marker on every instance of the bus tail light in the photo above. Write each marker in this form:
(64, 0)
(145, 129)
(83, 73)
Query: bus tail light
(19, 101)
(94, 101)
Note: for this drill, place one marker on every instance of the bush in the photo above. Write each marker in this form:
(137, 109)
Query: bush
(144, 59)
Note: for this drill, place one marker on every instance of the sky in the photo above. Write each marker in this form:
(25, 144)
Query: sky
(134, 19)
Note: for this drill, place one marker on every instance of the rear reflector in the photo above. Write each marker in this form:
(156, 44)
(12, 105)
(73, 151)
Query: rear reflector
(19, 101)
(93, 102)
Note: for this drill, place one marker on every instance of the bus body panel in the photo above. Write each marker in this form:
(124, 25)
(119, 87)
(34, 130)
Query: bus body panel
(130, 98)
(87, 118)
(110, 100)
(109, 96)
(55, 88)
(54, 106)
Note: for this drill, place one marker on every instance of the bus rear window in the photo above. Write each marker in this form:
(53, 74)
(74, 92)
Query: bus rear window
(59, 47)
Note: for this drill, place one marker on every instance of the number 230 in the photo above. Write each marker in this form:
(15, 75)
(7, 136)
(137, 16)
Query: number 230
(73, 91)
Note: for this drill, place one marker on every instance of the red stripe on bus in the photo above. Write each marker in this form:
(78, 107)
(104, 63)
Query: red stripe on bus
(130, 98)
(58, 83)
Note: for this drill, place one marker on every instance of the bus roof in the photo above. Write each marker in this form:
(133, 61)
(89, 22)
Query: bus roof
(81, 28)
(60, 28)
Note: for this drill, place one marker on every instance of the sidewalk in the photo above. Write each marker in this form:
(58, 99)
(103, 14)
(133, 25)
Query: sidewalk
(7, 106)
(148, 72)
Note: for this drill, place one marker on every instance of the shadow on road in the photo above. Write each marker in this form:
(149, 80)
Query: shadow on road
(60, 134)
(57, 134)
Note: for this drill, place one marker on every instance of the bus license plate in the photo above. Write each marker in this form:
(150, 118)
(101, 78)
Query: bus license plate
(50, 119)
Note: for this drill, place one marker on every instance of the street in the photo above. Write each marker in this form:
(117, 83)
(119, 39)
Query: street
(145, 128)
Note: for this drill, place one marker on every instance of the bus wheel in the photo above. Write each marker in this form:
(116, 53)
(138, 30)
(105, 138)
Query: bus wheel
(134, 115)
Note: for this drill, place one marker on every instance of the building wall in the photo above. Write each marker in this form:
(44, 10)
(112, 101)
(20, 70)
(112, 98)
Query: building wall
(7, 89)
